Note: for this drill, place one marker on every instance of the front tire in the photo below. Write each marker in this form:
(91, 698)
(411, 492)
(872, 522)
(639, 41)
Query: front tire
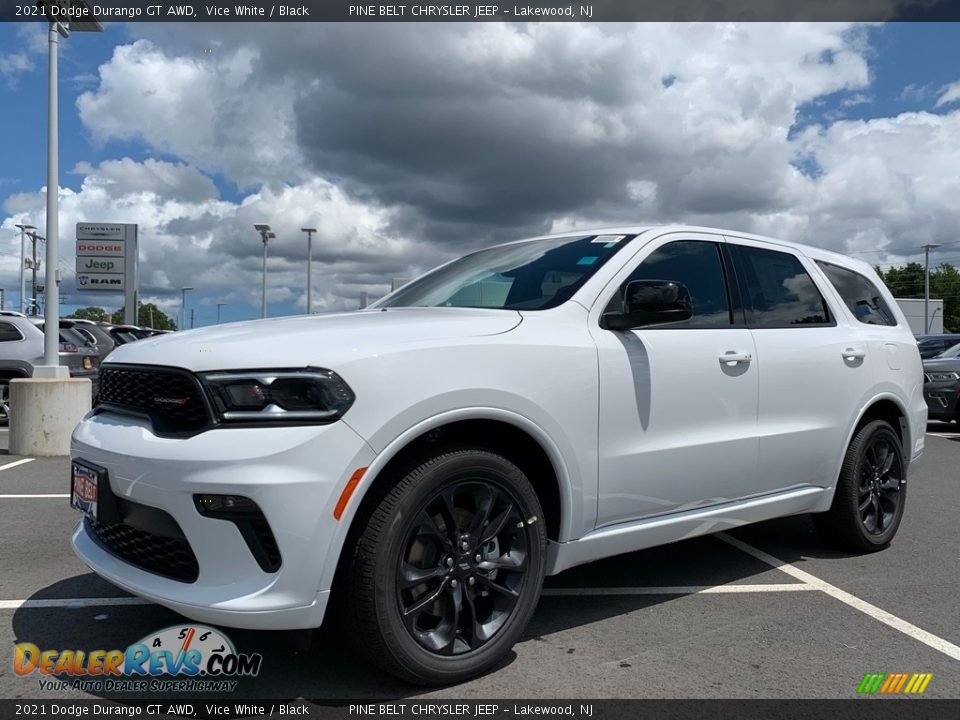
(871, 492)
(448, 569)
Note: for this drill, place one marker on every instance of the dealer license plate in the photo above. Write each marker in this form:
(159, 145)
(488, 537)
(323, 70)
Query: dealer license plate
(84, 488)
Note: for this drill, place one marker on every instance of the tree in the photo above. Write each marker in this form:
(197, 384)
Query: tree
(149, 316)
(97, 314)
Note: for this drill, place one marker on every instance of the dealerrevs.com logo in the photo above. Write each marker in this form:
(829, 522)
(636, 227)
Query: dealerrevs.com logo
(192, 658)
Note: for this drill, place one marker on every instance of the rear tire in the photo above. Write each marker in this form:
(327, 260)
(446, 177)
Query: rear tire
(871, 492)
(448, 568)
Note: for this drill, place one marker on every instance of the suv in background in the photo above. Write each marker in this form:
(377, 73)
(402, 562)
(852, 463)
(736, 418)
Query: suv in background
(21, 349)
(932, 345)
(942, 388)
(417, 468)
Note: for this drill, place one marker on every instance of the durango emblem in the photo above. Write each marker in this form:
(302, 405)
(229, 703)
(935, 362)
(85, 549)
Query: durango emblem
(170, 401)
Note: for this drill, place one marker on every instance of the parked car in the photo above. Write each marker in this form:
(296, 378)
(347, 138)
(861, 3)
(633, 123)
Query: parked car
(942, 387)
(93, 334)
(123, 334)
(932, 345)
(21, 349)
(418, 467)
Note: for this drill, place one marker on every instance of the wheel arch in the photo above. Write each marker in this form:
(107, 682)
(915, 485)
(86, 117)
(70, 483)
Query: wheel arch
(887, 407)
(514, 436)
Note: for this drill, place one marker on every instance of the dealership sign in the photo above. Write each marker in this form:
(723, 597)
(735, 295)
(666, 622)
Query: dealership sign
(102, 250)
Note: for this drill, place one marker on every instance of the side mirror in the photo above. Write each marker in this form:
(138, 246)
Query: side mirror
(651, 302)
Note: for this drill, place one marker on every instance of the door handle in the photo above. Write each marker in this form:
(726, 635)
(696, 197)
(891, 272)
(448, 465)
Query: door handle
(731, 358)
(854, 354)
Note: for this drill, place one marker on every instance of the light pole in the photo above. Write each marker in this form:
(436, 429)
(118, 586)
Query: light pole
(183, 307)
(926, 286)
(51, 313)
(309, 232)
(23, 260)
(265, 235)
(219, 305)
(34, 266)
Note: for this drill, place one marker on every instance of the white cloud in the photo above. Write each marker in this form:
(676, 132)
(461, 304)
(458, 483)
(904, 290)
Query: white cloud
(13, 64)
(189, 237)
(949, 94)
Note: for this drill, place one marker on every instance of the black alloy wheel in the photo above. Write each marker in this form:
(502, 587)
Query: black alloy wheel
(447, 567)
(871, 491)
(464, 565)
(881, 474)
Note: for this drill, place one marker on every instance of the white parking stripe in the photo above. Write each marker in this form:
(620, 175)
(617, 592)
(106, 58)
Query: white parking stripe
(679, 590)
(27, 497)
(71, 603)
(13, 464)
(937, 643)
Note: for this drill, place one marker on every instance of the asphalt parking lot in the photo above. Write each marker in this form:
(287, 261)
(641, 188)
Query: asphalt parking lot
(765, 612)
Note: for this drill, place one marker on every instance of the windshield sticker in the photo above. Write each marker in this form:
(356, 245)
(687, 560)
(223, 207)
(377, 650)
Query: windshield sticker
(589, 260)
(608, 240)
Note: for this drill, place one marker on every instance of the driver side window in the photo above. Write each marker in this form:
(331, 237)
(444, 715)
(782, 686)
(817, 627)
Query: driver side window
(696, 264)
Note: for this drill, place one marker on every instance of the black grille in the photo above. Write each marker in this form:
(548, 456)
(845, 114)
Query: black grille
(172, 399)
(170, 557)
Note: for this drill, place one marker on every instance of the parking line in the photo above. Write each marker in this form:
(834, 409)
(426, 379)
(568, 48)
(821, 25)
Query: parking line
(71, 603)
(678, 590)
(13, 464)
(27, 497)
(909, 629)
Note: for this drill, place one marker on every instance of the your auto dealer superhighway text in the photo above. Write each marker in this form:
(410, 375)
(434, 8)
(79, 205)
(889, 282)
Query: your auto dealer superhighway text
(473, 709)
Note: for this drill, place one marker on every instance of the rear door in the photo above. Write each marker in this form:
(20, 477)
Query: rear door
(816, 370)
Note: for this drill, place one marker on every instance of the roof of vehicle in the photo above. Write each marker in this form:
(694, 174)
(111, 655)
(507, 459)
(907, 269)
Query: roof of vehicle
(811, 251)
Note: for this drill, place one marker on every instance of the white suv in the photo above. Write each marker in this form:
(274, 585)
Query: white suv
(418, 467)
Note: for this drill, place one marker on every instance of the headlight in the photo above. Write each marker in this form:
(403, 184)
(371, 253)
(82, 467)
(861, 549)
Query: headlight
(942, 376)
(312, 395)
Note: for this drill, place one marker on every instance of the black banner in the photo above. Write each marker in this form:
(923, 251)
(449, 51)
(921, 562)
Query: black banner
(435, 709)
(90, 11)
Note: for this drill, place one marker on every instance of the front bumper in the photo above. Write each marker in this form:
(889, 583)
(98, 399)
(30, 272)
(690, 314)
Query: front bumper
(942, 400)
(294, 474)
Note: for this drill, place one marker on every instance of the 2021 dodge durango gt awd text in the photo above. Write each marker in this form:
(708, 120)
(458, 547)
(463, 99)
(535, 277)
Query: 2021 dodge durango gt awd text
(420, 466)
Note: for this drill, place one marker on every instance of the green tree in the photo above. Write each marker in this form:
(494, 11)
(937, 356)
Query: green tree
(149, 316)
(97, 314)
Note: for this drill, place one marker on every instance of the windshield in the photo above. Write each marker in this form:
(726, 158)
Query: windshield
(533, 275)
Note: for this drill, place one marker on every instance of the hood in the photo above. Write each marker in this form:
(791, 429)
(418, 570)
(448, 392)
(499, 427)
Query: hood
(941, 364)
(317, 340)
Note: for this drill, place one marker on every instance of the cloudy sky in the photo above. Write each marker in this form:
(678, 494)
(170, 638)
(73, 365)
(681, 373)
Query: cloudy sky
(407, 144)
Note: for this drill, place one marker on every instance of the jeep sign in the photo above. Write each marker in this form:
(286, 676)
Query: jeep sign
(88, 264)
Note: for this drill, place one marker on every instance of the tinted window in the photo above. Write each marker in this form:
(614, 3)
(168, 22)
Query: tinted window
(698, 266)
(778, 292)
(9, 333)
(860, 295)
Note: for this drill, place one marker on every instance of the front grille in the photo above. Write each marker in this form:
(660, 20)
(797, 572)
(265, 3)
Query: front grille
(172, 399)
(170, 557)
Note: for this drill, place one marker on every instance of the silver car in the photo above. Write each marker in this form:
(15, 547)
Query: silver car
(21, 350)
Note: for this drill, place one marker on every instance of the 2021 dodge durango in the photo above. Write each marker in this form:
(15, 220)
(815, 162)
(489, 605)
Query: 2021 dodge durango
(419, 467)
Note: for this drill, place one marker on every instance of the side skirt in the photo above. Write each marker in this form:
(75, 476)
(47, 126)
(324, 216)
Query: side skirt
(663, 529)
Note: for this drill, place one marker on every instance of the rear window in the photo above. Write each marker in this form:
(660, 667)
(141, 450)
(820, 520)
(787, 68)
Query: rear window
(778, 292)
(9, 333)
(859, 294)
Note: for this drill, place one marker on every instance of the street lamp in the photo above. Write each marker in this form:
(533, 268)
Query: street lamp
(926, 285)
(309, 232)
(183, 306)
(34, 266)
(265, 235)
(23, 261)
(66, 9)
(219, 305)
